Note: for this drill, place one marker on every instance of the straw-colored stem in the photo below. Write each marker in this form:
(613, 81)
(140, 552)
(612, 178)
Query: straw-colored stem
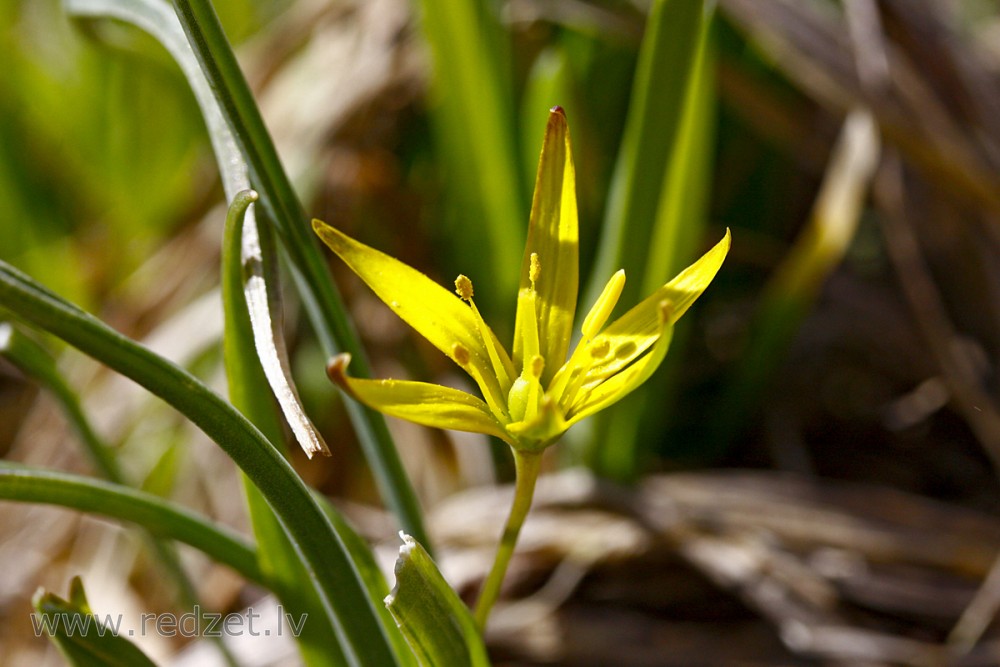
(526, 471)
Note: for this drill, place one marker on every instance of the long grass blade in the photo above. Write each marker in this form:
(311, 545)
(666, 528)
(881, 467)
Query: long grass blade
(474, 118)
(20, 483)
(283, 209)
(656, 207)
(358, 625)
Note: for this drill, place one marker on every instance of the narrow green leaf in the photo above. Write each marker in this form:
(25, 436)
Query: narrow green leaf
(434, 620)
(36, 362)
(660, 92)
(371, 574)
(281, 207)
(278, 558)
(259, 257)
(82, 639)
(656, 212)
(25, 484)
(474, 122)
(358, 626)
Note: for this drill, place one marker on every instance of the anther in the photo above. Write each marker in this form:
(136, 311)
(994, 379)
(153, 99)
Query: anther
(600, 349)
(536, 366)
(463, 287)
(460, 354)
(534, 268)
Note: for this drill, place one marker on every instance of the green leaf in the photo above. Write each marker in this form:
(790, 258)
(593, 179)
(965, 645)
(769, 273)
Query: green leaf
(312, 279)
(36, 362)
(278, 558)
(25, 484)
(79, 635)
(240, 137)
(656, 212)
(434, 620)
(474, 120)
(660, 92)
(358, 625)
(371, 574)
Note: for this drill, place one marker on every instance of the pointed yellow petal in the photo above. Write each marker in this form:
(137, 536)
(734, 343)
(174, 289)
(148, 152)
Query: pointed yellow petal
(553, 236)
(428, 404)
(625, 382)
(635, 331)
(437, 314)
(605, 303)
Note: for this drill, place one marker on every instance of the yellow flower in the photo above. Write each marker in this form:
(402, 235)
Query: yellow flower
(534, 395)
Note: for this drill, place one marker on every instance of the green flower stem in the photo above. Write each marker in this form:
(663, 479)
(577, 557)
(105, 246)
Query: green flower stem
(526, 465)
(280, 205)
(25, 484)
(337, 579)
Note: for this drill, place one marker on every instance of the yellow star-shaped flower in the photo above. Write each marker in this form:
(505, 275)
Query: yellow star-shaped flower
(533, 396)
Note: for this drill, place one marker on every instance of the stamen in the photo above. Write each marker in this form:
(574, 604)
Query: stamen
(534, 269)
(605, 303)
(463, 287)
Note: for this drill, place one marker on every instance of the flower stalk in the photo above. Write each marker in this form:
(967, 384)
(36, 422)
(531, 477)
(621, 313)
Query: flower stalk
(526, 467)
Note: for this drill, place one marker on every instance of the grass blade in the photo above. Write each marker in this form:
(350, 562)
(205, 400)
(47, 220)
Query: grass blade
(659, 93)
(262, 290)
(245, 376)
(358, 625)
(475, 126)
(312, 279)
(679, 208)
(37, 364)
(25, 484)
(82, 639)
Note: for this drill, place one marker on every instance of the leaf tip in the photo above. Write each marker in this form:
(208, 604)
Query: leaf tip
(336, 369)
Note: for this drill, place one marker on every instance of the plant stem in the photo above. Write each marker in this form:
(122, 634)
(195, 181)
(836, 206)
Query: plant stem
(526, 466)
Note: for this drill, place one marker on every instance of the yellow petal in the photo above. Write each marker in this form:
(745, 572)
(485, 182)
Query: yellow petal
(420, 402)
(625, 382)
(437, 314)
(553, 236)
(605, 303)
(635, 331)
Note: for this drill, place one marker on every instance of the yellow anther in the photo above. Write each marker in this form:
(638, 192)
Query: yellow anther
(600, 349)
(460, 354)
(534, 269)
(605, 303)
(536, 366)
(463, 287)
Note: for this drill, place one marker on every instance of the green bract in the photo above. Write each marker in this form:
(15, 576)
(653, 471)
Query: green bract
(533, 396)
